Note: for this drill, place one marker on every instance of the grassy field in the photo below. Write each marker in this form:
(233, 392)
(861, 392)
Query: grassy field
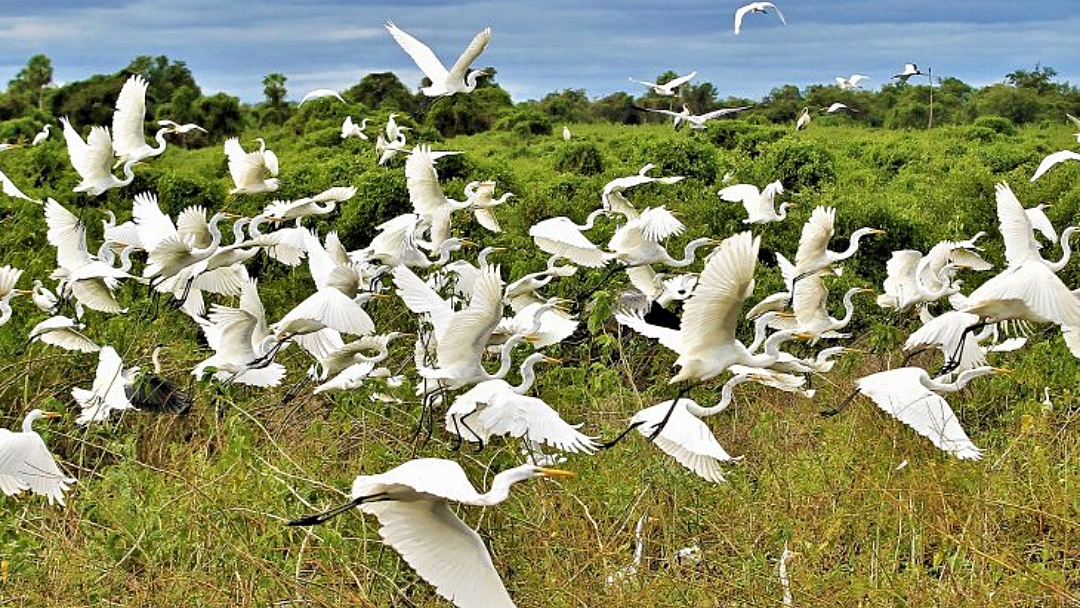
(189, 511)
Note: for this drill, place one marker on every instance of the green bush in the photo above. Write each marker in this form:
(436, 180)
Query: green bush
(525, 122)
(380, 195)
(997, 124)
(800, 164)
(690, 158)
(581, 157)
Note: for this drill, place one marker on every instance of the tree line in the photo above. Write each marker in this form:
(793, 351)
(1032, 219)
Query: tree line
(32, 98)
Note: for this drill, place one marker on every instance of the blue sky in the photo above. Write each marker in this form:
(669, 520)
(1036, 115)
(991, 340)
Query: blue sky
(545, 45)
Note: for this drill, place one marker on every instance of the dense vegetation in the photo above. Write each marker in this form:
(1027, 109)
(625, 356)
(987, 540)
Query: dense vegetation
(188, 511)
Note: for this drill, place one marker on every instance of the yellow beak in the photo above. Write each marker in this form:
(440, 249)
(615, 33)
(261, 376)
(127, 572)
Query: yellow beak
(557, 473)
(52, 415)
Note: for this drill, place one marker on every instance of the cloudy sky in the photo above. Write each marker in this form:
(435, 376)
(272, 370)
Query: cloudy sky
(545, 45)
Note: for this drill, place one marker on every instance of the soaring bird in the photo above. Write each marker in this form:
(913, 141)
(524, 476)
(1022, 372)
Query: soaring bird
(9, 188)
(128, 141)
(1052, 160)
(412, 504)
(444, 82)
(63, 332)
(669, 88)
(110, 390)
(696, 121)
(26, 464)
(910, 69)
(756, 7)
(850, 83)
(321, 94)
(759, 204)
(93, 160)
(252, 172)
(911, 396)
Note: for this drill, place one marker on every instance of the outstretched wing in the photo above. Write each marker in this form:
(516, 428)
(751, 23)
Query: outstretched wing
(711, 314)
(477, 46)
(421, 54)
(127, 126)
(685, 438)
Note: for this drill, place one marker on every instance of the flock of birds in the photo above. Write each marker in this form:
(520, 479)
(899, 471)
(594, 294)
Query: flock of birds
(465, 312)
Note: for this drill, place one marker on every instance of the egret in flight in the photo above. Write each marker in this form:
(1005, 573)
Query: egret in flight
(444, 82)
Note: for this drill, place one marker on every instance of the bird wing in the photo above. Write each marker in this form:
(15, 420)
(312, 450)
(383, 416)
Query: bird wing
(320, 93)
(722, 112)
(1053, 159)
(9, 277)
(334, 310)
(10, 189)
(95, 294)
(1040, 222)
(24, 457)
(944, 332)
(657, 224)
(192, 226)
(270, 161)
(529, 417)
(559, 236)
(245, 168)
(670, 338)
(98, 159)
(127, 125)
(676, 82)
(1033, 286)
(486, 218)
(1020, 245)
(808, 301)
(739, 14)
(420, 298)
(67, 234)
(856, 79)
(477, 46)
(467, 335)
(816, 234)
(1073, 119)
(236, 327)
(422, 55)
(747, 194)
(153, 226)
(666, 112)
(685, 438)
(442, 549)
(778, 13)
(10, 483)
(710, 315)
(319, 261)
(78, 151)
(900, 394)
(425, 193)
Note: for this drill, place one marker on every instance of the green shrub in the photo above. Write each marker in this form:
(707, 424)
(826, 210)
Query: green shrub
(690, 158)
(800, 164)
(525, 122)
(581, 157)
(997, 124)
(380, 195)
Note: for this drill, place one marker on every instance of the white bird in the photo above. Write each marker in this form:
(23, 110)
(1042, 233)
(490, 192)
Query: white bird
(1050, 161)
(347, 367)
(109, 392)
(560, 236)
(850, 83)
(905, 285)
(9, 277)
(41, 135)
(1076, 122)
(667, 89)
(910, 69)
(64, 333)
(351, 129)
(281, 211)
(696, 121)
(804, 120)
(443, 81)
(128, 141)
(178, 128)
(252, 172)
(911, 396)
(44, 300)
(481, 199)
(231, 332)
(813, 254)
(948, 332)
(838, 107)
(27, 464)
(427, 196)
(412, 503)
(613, 198)
(4, 147)
(756, 7)
(9, 188)
(566, 134)
(685, 438)
(93, 160)
(90, 279)
(638, 242)
(759, 204)
(320, 94)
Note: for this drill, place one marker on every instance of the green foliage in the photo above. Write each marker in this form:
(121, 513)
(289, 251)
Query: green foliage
(580, 157)
(800, 164)
(525, 122)
(997, 124)
(691, 158)
(382, 91)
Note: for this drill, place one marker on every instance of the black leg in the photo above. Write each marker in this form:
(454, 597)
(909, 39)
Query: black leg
(667, 416)
(318, 518)
(610, 444)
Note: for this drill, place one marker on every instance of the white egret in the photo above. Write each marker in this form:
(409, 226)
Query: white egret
(9, 188)
(685, 438)
(911, 396)
(851, 82)
(346, 367)
(175, 127)
(1050, 161)
(838, 107)
(427, 196)
(128, 141)
(669, 88)
(321, 94)
(64, 333)
(237, 358)
(481, 199)
(905, 284)
(443, 81)
(813, 254)
(27, 464)
(560, 236)
(638, 242)
(4, 147)
(696, 121)
(252, 172)
(910, 69)
(9, 277)
(759, 204)
(566, 134)
(1040, 223)
(613, 198)
(398, 244)
(351, 129)
(756, 7)
(43, 298)
(110, 390)
(322, 203)
(41, 135)
(1076, 122)
(93, 160)
(412, 503)
(804, 120)
(90, 279)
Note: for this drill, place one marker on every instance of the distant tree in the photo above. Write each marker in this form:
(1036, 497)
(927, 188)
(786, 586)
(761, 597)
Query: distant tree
(1041, 79)
(700, 97)
(1018, 104)
(782, 104)
(220, 114)
(88, 102)
(567, 105)
(617, 108)
(275, 110)
(382, 90)
(468, 114)
(33, 79)
(164, 76)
